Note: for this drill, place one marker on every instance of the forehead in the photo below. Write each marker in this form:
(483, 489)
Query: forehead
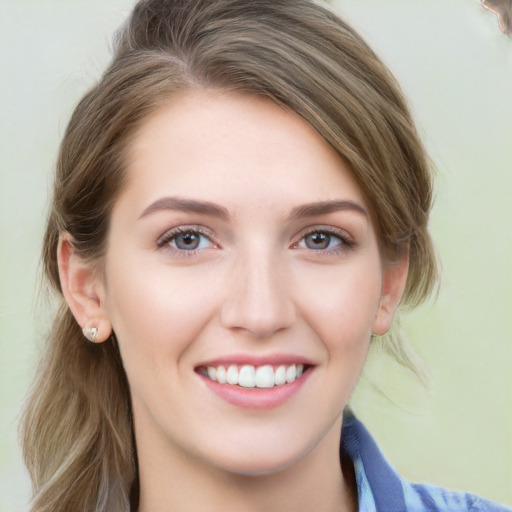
(227, 147)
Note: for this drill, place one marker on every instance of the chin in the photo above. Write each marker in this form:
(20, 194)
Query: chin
(264, 457)
(257, 466)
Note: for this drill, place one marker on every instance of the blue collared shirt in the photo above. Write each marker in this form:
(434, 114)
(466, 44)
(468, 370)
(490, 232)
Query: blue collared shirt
(381, 489)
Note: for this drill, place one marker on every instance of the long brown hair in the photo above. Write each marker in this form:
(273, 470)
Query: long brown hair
(77, 429)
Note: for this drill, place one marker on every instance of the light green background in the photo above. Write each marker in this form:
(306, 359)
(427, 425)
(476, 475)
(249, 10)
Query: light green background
(456, 68)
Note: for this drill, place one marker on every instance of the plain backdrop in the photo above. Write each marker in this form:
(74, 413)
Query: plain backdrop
(455, 67)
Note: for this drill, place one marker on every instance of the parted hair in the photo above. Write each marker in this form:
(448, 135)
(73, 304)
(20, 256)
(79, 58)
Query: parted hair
(76, 431)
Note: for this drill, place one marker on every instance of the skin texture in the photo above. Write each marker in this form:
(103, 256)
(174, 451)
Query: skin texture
(256, 285)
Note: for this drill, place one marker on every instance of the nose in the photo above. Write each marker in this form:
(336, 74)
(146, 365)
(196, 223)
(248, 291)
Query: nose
(258, 298)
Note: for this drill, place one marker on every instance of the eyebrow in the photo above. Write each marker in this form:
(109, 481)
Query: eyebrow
(180, 204)
(325, 207)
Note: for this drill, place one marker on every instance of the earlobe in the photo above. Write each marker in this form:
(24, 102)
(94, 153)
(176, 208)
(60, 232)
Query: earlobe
(394, 279)
(83, 291)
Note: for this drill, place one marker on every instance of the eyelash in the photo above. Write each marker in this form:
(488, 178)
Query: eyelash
(346, 242)
(164, 241)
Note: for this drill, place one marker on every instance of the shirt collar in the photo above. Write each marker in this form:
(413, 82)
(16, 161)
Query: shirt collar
(379, 487)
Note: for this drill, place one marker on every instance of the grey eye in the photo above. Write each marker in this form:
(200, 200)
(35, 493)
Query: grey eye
(187, 241)
(320, 241)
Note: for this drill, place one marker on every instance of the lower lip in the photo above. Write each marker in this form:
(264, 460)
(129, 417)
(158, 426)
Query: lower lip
(257, 398)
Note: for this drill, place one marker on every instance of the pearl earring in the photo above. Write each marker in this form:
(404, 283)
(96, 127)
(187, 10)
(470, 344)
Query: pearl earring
(90, 333)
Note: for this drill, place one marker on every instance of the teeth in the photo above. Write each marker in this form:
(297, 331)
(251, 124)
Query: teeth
(212, 372)
(249, 376)
(232, 375)
(221, 374)
(291, 373)
(280, 375)
(265, 377)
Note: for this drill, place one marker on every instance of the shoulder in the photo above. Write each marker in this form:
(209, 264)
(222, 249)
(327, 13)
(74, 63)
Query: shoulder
(424, 497)
(382, 489)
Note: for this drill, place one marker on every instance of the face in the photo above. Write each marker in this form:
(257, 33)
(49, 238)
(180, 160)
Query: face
(240, 250)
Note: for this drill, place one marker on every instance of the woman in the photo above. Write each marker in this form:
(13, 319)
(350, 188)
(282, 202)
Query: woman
(240, 205)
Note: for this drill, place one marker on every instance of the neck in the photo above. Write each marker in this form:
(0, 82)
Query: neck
(316, 482)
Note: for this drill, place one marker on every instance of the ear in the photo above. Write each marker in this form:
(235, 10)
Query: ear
(83, 291)
(394, 279)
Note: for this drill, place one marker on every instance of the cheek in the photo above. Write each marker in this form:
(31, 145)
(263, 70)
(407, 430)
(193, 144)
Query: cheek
(159, 310)
(341, 305)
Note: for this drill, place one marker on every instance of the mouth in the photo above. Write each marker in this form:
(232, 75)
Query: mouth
(249, 376)
(258, 382)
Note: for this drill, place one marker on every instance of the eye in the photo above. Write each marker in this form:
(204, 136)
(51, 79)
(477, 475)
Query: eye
(189, 241)
(325, 240)
(320, 241)
(186, 239)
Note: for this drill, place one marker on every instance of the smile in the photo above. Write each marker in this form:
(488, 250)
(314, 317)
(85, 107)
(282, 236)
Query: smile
(256, 382)
(249, 376)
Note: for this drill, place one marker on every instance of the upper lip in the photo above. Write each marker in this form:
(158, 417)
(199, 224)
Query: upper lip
(257, 360)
